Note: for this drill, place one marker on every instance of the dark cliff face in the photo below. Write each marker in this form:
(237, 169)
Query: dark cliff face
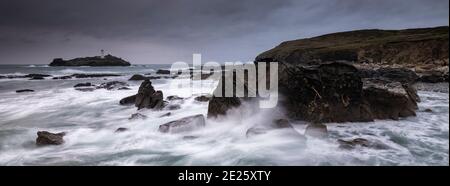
(403, 47)
(108, 60)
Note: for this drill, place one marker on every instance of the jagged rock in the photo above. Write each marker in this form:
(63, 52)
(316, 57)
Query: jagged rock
(136, 116)
(130, 100)
(183, 124)
(47, 138)
(390, 100)
(161, 71)
(351, 144)
(108, 60)
(24, 90)
(316, 130)
(202, 98)
(138, 77)
(147, 97)
(121, 129)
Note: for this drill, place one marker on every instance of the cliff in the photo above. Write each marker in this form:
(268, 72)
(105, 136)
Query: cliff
(407, 48)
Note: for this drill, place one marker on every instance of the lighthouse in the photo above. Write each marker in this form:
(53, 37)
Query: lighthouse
(102, 55)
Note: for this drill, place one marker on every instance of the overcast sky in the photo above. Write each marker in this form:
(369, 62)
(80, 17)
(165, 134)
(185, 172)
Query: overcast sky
(166, 31)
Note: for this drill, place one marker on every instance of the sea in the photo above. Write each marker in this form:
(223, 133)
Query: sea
(91, 118)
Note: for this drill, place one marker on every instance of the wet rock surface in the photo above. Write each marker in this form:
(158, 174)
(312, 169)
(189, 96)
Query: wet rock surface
(47, 138)
(184, 124)
(316, 130)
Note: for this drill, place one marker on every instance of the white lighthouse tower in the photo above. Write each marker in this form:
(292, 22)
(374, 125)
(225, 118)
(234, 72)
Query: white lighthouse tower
(102, 53)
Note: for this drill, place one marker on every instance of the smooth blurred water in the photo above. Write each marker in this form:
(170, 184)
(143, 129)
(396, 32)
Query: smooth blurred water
(90, 118)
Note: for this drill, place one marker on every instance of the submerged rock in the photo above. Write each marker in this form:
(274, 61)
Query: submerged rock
(173, 107)
(173, 98)
(183, 124)
(161, 71)
(316, 130)
(24, 90)
(202, 98)
(113, 85)
(107, 60)
(121, 129)
(361, 142)
(130, 100)
(83, 85)
(136, 116)
(62, 77)
(47, 138)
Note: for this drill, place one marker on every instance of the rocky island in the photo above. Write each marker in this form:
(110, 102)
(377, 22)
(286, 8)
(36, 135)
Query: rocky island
(107, 60)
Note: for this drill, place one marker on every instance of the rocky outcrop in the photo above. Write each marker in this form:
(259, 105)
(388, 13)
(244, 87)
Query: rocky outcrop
(108, 60)
(47, 138)
(183, 125)
(410, 47)
(146, 97)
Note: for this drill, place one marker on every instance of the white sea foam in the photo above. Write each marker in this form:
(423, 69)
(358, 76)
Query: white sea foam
(90, 118)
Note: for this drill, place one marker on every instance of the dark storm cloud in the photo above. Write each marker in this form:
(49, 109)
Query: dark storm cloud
(164, 31)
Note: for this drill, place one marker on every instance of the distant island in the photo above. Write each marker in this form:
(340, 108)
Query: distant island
(107, 60)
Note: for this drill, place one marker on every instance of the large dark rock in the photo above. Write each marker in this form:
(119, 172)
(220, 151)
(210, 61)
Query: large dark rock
(183, 124)
(390, 100)
(146, 97)
(47, 138)
(108, 60)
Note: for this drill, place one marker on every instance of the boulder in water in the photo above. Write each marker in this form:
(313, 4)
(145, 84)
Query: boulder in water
(47, 138)
(183, 124)
(147, 97)
(130, 100)
(161, 71)
(316, 130)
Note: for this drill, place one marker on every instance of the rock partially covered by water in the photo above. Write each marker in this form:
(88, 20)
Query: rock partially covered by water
(390, 100)
(161, 71)
(316, 130)
(136, 116)
(361, 142)
(108, 60)
(130, 100)
(146, 97)
(335, 92)
(47, 138)
(183, 124)
(202, 98)
(113, 85)
(83, 85)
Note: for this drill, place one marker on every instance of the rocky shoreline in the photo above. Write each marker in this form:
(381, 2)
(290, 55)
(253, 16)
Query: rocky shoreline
(338, 82)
